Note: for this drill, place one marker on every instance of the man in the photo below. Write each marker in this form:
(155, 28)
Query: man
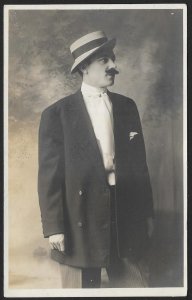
(94, 188)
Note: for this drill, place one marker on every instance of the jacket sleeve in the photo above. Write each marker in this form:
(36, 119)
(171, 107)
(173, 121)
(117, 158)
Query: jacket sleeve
(51, 173)
(141, 167)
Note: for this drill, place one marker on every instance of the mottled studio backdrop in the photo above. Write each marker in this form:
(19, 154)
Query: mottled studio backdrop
(149, 56)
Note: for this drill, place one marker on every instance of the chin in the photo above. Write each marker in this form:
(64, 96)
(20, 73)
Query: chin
(109, 82)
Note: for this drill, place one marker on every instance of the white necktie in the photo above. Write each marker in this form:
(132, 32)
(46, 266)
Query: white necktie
(104, 128)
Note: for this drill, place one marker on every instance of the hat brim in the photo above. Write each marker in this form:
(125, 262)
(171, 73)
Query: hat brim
(108, 45)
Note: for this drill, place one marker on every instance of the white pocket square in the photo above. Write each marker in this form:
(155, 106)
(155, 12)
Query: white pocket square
(132, 135)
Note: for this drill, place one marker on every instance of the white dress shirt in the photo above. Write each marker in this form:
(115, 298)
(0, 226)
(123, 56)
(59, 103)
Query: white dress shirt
(99, 108)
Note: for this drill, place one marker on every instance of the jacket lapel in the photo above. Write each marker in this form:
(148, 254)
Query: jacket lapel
(122, 124)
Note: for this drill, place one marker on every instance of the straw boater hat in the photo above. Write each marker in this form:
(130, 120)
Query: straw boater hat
(87, 45)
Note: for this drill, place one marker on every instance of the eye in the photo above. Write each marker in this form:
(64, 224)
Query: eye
(104, 60)
(113, 58)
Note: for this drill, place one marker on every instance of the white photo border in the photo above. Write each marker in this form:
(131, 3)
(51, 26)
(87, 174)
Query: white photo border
(115, 292)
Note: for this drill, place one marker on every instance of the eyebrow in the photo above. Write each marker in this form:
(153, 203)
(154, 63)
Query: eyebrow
(101, 57)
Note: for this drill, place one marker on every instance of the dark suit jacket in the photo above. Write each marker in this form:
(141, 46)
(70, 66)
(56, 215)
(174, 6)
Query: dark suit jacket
(72, 183)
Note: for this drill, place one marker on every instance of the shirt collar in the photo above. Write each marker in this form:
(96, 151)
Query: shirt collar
(89, 90)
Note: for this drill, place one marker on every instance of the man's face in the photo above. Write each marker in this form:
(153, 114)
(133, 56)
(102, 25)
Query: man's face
(101, 70)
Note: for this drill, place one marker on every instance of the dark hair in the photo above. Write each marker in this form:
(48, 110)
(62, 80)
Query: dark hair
(80, 72)
(85, 63)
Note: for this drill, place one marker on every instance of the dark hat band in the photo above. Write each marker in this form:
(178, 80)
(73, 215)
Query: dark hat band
(89, 46)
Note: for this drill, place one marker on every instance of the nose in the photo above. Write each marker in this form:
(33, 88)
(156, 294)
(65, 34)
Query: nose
(112, 64)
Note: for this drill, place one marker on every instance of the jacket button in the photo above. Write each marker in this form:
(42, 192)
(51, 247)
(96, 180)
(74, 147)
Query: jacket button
(80, 224)
(80, 192)
(105, 190)
(105, 226)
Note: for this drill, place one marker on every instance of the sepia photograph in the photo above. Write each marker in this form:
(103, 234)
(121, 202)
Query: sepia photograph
(95, 147)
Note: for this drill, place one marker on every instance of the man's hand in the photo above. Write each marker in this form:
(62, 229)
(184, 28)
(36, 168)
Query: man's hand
(150, 227)
(56, 241)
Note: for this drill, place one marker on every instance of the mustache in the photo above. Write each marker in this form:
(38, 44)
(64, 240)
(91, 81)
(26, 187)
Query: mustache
(112, 71)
